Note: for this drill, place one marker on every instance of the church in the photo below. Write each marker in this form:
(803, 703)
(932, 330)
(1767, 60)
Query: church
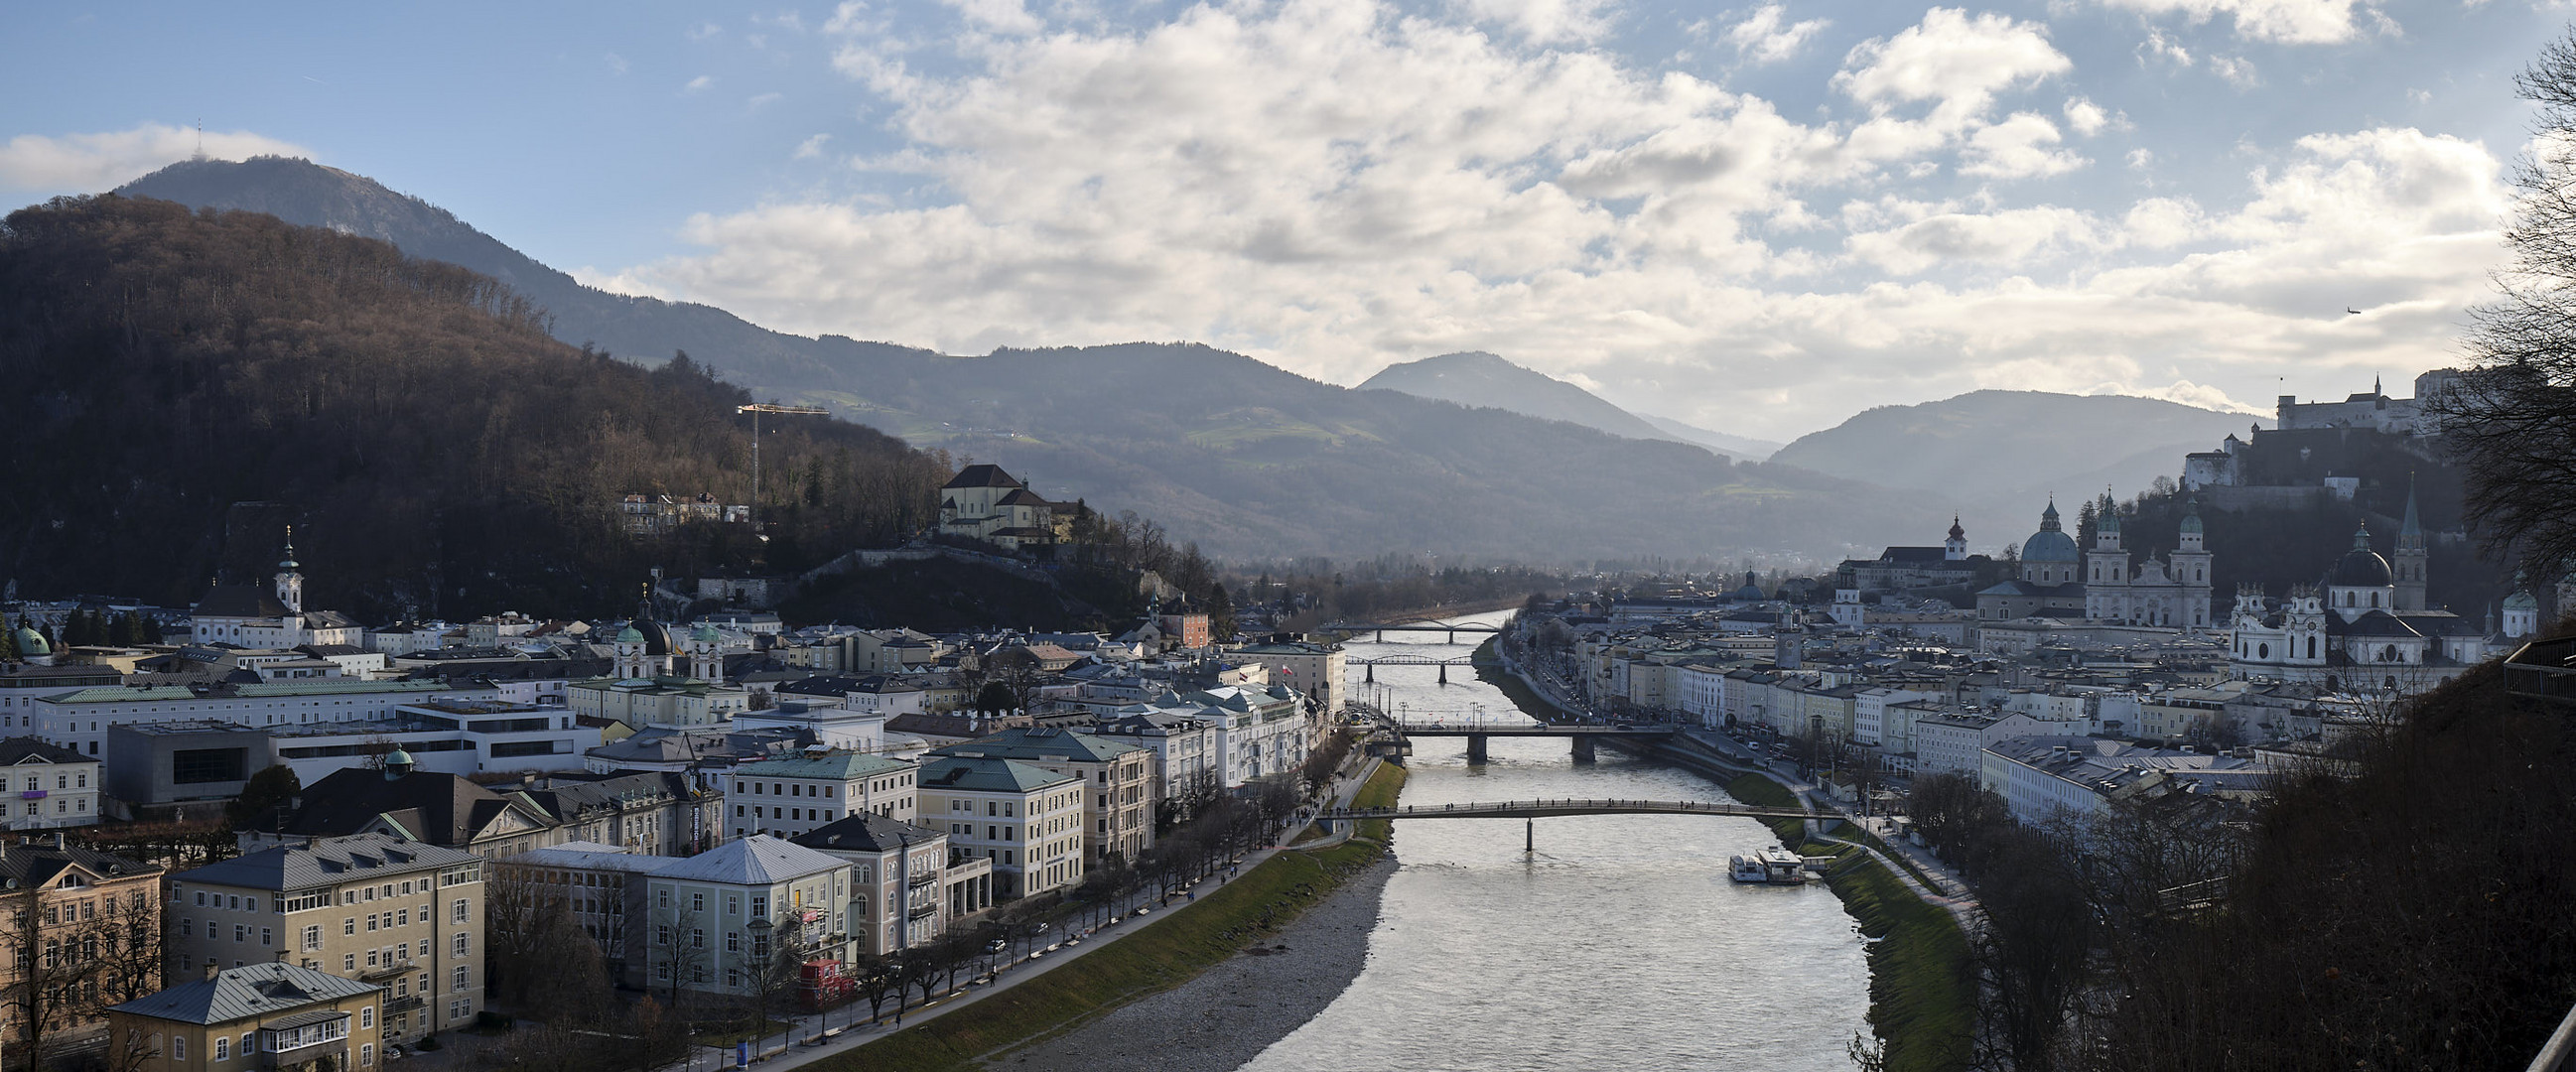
(2367, 626)
(2101, 587)
(247, 616)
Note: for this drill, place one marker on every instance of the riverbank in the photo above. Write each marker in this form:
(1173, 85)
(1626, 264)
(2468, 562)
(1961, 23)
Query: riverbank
(1248, 911)
(1228, 1014)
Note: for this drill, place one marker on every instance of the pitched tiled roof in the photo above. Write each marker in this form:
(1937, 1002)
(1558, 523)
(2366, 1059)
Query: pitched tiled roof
(240, 601)
(443, 809)
(1040, 743)
(843, 765)
(18, 750)
(981, 476)
(758, 860)
(977, 774)
(251, 991)
(30, 866)
(866, 832)
(327, 861)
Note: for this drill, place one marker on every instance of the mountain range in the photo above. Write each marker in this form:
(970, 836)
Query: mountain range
(1465, 454)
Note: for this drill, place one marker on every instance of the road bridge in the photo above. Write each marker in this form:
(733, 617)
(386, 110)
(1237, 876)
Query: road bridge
(1371, 665)
(1583, 736)
(1381, 629)
(1533, 810)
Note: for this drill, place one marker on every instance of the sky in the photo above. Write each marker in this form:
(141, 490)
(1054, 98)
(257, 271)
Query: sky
(1759, 218)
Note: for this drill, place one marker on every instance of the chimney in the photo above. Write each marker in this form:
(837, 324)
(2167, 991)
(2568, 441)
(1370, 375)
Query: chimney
(58, 841)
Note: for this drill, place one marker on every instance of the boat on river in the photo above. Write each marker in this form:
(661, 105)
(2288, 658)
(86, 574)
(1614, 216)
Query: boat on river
(1774, 866)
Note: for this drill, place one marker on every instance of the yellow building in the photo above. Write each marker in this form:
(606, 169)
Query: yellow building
(269, 1017)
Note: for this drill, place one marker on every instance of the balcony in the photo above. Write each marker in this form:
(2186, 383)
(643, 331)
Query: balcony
(923, 910)
(405, 1003)
(923, 879)
(378, 975)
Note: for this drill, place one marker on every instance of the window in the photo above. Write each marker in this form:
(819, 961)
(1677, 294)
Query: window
(349, 925)
(178, 1047)
(366, 1017)
(461, 981)
(366, 1054)
(241, 932)
(697, 938)
(462, 945)
(760, 905)
(348, 962)
(402, 917)
(223, 1048)
(184, 924)
(733, 905)
(456, 913)
(265, 938)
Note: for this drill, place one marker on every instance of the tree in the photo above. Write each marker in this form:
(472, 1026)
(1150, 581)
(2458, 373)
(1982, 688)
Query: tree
(2511, 420)
(272, 788)
(995, 698)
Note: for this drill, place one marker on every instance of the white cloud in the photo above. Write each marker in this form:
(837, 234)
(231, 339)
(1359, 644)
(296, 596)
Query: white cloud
(1333, 184)
(698, 84)
(2086, 117)
(2284, 21)
(2185, 392)
(2237, 70)
(98, 162)
(616, 63)
(812, 147)
(763, 100)
(995, 16)
(2009, 238)
(1766, 36)
(704, 31)
(2018, 148)
(1544, 21)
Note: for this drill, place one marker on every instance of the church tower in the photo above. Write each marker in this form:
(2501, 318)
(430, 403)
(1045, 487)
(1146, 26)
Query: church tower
(630, 655)
(1955, 549)
(2361, 581)
(290, 584)
(2521, 610)
(2303, 620)
(2106, 574)
(2191, 563)
(2407, 564)
(706, 663)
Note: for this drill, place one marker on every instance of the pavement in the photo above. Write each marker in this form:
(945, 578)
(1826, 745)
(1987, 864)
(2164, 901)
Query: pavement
(854, 1032)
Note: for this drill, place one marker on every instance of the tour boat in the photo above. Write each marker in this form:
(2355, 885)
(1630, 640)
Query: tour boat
(1778, 867)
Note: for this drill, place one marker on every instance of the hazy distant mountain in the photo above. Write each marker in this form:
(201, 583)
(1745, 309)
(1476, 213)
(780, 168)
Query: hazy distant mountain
(1244, 458)
(1998, 455)
(1475, 378)
(1744, 447)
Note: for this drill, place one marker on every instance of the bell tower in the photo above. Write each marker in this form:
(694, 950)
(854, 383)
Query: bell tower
(2407, 564)
(290, 584)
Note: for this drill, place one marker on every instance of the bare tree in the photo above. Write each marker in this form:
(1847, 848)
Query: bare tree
(2513, 419)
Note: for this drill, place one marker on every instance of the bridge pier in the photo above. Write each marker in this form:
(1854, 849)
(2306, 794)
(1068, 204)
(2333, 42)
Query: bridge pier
(1372, 673)
(1529, 836)
(1583, 749)
(1453, 636)
(1475, 748)
(1444, 673)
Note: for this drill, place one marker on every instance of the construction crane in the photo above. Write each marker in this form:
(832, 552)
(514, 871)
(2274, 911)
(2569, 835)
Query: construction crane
(756, 409)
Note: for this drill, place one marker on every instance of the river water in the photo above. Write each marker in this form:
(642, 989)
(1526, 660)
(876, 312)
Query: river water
(1619, 944)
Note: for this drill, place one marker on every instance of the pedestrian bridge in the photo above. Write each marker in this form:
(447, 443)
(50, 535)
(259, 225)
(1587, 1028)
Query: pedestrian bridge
(1477, 733)
(1548, 809)
(1380, 629)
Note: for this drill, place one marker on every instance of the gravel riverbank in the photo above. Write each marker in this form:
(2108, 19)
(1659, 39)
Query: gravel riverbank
(1235, 1010)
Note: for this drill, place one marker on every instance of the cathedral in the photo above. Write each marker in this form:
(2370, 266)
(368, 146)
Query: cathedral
(2368, 626)
(2100, 587)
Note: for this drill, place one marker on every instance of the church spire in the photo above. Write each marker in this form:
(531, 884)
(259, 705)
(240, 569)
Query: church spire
(2410, 535)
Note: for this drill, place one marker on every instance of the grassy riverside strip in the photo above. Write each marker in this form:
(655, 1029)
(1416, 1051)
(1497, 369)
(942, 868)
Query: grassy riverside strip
(1921, 998)
(1219, 925)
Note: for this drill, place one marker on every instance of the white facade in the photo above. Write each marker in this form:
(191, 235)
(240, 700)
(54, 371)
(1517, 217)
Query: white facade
(79, 720)
(787, 797)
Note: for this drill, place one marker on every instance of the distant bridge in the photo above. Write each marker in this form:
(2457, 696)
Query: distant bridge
(1371, 665)
(1380, 629)
(1531, 811)
(1478, 731)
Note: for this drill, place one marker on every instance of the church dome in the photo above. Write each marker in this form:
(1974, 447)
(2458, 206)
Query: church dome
(705, 633)
(2521, 599)
(2050, 543)
(2191, 521)
(2361, 567)
(31, 643)
(630, 635)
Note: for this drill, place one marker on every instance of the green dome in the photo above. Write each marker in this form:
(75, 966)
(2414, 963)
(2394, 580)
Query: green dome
(706, 632)
(32, 643)
(2191, 521)
(630, 635)
(2521, 599)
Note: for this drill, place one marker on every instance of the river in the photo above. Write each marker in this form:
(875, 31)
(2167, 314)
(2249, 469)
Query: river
(1620, 944)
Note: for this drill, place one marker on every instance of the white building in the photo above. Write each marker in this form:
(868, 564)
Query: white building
(2041, 778)
(79, 719)
(1026, 820)
(248, 616)
(718, 920)
(787, 797)
(53, 786)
